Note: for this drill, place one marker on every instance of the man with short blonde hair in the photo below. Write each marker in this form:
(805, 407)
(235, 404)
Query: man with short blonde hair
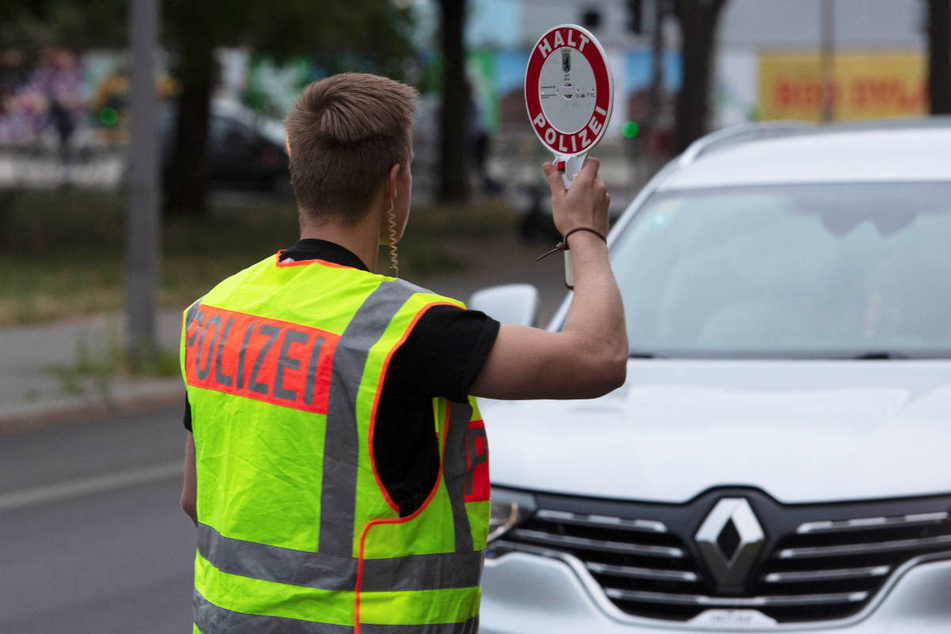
(336, 462)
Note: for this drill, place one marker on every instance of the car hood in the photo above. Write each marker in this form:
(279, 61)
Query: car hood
(802, 431)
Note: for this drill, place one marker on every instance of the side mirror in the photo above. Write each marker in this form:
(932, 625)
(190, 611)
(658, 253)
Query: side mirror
(509, 304)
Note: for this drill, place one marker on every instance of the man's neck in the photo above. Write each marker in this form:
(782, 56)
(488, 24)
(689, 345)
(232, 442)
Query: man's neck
(361, 239)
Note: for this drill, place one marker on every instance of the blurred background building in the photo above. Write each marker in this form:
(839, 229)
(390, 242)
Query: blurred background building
(769, 61)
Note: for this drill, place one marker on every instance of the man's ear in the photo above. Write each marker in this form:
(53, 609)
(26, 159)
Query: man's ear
(389, 187)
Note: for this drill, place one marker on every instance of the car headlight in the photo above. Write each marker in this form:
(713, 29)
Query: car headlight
(508, 509)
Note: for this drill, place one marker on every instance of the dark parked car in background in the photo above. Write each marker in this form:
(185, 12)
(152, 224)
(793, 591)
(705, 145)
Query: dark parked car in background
(245, 151)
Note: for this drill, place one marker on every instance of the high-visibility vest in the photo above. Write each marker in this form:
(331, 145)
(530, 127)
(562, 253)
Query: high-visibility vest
(283, 364)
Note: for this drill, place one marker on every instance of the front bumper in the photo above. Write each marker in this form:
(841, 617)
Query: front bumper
(531, 594)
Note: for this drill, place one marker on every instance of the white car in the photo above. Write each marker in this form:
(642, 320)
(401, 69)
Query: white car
(780, 457)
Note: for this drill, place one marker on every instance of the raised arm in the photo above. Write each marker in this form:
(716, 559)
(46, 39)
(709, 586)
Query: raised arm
(588, 357)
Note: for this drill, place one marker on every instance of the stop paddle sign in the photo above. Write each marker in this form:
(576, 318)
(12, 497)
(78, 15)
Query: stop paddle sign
(568, 94)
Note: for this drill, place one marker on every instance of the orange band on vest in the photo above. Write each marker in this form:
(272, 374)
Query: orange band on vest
(268, 360)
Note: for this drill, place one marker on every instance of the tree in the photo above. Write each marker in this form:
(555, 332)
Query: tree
(453, 146)
(30, 25)
(78, 24)
(370, 35)
(939, 56)
(698, 26)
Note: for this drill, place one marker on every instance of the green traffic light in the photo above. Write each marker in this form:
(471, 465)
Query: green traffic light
(108, 116)
(630, 129)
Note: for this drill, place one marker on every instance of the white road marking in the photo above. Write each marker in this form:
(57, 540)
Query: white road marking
(90, 486)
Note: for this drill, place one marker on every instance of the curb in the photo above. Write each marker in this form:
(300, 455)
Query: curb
(132, 399)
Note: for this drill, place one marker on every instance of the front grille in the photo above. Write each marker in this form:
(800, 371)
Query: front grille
(820, 562)
(850, 559)
(643, 568)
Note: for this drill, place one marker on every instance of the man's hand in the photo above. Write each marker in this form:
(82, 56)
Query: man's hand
(585, 204)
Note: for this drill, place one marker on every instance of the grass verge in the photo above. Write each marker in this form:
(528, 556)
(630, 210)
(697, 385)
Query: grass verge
(62, 252)
(95, 367)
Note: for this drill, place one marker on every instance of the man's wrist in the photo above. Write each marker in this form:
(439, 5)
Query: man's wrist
(563, 245)
(580, 234)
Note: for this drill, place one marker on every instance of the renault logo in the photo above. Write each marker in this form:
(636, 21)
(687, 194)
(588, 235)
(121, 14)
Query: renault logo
(730, 540)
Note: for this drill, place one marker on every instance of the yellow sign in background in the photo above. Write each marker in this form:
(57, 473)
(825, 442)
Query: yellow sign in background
(866, 85)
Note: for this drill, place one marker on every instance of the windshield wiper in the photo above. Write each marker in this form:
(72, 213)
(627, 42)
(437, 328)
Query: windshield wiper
(637, 354)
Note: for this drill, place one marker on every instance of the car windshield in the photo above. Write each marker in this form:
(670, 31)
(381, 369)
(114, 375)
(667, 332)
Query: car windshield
(857, 270)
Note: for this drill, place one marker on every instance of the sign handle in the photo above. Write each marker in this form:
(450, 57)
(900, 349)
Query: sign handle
(570, 167)
(569, 271)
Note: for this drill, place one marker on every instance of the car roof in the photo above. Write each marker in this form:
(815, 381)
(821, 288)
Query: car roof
(761, 154)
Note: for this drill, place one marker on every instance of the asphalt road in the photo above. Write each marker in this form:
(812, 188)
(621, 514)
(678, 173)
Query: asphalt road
(92, 538)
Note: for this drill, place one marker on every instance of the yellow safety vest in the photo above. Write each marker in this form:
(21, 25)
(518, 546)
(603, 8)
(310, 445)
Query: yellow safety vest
(283, 364)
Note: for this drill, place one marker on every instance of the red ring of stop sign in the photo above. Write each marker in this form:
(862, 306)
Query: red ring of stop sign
(568, 142)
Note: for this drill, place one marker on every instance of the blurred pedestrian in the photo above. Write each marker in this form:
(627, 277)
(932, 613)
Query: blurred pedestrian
(61, 118)
(336, 462)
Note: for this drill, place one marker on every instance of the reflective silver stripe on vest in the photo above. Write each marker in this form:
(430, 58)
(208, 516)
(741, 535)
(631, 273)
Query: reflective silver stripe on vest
(466, 627)
(211, 619)
(422, 572)
(272, 563)
(338, 491)
(325, 572)
(454, 472)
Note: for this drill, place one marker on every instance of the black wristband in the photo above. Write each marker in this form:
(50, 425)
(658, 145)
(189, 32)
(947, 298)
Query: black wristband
(588, 229)
(563, 245)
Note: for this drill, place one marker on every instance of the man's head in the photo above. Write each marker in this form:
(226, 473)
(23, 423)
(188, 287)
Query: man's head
(344, 135)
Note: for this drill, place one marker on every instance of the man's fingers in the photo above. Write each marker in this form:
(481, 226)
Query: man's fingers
(589, 171)
(555, 183)
(590, 168)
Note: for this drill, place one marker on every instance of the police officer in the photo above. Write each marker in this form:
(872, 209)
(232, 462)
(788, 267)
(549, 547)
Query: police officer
(336, 462)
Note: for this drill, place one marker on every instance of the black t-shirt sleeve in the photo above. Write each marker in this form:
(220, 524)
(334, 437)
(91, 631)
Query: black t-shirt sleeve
(443, 354)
